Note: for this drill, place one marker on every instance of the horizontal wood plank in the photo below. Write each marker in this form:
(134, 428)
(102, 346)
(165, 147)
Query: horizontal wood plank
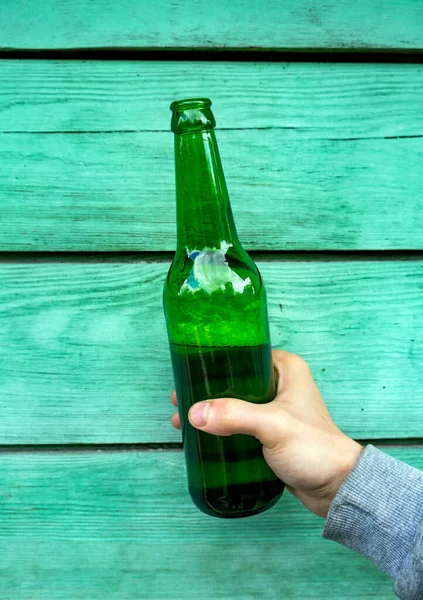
(116, 192)
(330, 154)
(120, 526)
(325, 100)
(289, 25)
(84, 355)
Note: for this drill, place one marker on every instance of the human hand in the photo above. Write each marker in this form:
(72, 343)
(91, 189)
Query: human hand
(301, 443)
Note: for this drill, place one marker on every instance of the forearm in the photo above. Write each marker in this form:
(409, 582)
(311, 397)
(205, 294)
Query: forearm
(378, 512)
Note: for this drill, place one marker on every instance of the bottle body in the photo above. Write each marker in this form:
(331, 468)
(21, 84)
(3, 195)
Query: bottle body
(216, 314)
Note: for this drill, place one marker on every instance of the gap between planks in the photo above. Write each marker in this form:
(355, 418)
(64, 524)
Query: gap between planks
(165, 447)
(167, 256)
(243, 54)
(125, 131)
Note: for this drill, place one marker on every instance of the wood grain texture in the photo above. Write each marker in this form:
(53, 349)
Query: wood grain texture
(120, 526)
(116, 192)
(242, 24)
(84, 355)
(316, 156)
(325, 100)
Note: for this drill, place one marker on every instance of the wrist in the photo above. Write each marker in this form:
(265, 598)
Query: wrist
(342, 459)
(348, 452)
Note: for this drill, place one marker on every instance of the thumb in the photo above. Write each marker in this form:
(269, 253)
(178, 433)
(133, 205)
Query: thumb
(225, 416)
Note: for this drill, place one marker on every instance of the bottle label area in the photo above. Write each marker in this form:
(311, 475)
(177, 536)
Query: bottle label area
(211, 272)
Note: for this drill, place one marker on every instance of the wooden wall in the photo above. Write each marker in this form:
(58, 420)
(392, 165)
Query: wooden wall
(320, 126)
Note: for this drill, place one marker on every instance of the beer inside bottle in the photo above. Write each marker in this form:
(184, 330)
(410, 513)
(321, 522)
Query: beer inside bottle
(216, 314)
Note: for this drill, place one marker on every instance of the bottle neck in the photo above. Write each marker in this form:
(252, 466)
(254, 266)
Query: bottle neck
(204, 215)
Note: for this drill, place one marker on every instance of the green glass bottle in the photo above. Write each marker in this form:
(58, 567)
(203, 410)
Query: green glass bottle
(216, 314)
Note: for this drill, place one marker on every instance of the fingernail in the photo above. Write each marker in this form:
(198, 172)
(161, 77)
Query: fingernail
(198, 413)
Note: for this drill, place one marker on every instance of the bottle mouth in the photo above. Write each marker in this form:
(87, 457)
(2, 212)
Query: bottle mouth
(191, 115)
(181, 105)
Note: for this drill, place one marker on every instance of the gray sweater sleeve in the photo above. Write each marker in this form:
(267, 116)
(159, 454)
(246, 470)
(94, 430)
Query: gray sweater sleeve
(378, 512)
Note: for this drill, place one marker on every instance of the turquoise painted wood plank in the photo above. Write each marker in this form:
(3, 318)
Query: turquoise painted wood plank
(84, 356)
(120, 525)
(322, 100)
(116, 191)
(293, 24)
(330, 153)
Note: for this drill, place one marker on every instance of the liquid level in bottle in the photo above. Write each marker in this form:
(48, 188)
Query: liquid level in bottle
(227, 475)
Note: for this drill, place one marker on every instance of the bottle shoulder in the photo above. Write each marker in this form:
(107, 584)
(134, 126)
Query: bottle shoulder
(228, 270)
(215, 298)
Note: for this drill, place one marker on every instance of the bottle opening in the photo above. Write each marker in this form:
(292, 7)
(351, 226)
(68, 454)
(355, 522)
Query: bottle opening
(181, 105)
(192, 114)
